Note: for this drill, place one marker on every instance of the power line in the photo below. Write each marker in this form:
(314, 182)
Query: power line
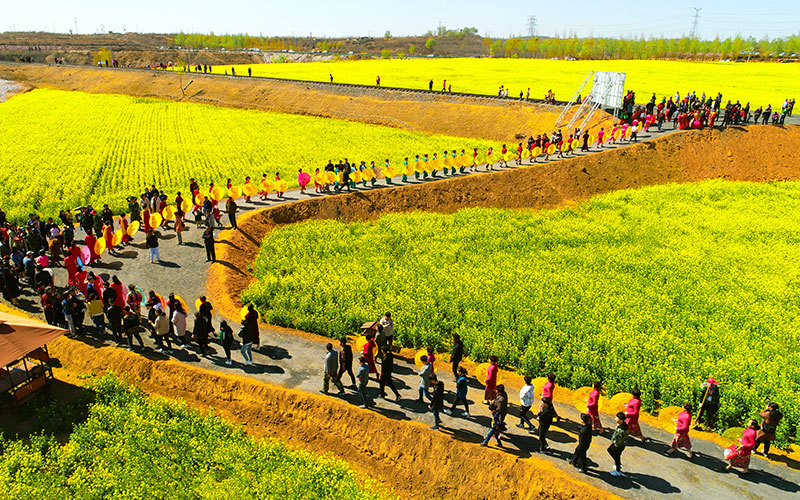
(695, 22)
(531, 26)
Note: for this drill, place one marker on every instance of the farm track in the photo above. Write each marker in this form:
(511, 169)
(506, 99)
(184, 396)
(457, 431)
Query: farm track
(405, 455)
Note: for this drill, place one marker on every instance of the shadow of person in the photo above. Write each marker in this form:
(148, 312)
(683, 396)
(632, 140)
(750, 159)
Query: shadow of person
(169, 264)
(274, 352)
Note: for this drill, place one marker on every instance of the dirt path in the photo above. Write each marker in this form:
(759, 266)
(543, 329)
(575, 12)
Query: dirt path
(294, 359)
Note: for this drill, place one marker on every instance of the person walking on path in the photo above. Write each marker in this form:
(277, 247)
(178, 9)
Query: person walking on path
(363, 379)
(385, 380)
(526, 402)
(161, 330)
(771, 416)
(682, 425)
(208, 240)
(593, 407)
(331, 372)
(247, 343)
(231, 207)
(437, 401)
(462, 384)
(425, 379)
(200, 331)
(739, 456)
(490, 381)
(179, 324)
(130, 322)
(179, 228)
(548, 391)
(498, 407)
(545, 417)
(388, 327)
(632, 410)
(456, 353)
(226, 336)
(152, 245)
(584, 440)
(346, 360)
(617, 445)
(369, 352)
(114, 314)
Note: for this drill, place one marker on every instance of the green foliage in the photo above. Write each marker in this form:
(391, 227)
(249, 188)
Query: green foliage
(430, 44)
(387, 35)
(412, 48)
(103, 55)
(656, 288)
(132, 447)
(386, 54)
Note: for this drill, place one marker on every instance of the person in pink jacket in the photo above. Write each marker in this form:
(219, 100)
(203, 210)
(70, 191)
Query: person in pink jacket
(593, 406)
(682, 425)
(491, 381)
(632, 410)
(741, 459)
(548, 390)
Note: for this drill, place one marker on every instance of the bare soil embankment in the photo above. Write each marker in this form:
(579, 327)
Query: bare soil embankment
(405, 456)
(756, 153)
(420, 112)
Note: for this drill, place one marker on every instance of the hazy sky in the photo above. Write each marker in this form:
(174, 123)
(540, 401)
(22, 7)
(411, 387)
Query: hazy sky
(671, 18)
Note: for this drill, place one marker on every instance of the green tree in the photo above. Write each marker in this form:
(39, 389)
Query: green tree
(412, 48)
(387, 35)
(386, 54)
(430, 44)
(103, 55)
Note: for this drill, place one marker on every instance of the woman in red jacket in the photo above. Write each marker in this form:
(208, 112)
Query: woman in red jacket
(741, 458)
(632, 410)
(682, 425)
(593, 407)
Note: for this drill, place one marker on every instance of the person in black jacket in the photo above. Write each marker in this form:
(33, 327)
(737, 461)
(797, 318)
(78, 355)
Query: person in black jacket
(346, 360)
(201, 330)
(208, 239)
(456, 354)
(226, 333)
(437, 401)
(114, 315)
(545, 417)
(584, 440)
(130, 322)
(387, 366)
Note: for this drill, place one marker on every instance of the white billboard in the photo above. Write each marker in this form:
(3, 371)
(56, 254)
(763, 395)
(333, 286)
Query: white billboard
(608, 89)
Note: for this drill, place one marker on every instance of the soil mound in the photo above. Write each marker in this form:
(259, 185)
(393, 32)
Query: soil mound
(432, 113)
(400, 457)
(756, 153)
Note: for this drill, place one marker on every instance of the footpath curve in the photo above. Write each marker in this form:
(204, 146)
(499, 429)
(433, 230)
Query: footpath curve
(293, 359)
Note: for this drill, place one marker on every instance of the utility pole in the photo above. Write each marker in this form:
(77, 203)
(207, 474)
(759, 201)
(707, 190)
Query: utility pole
(695, 22)
(76, 24)
(531, 26)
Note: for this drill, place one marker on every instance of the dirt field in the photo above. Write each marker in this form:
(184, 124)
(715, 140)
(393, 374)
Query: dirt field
(399, 454)
(756, 153)
(439, 114)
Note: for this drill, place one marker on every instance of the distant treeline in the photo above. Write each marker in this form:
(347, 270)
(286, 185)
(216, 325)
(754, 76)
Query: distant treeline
(736, 47)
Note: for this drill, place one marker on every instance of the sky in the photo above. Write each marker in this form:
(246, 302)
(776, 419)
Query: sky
(335, 18)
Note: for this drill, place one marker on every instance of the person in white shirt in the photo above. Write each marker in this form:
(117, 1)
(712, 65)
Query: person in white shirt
(388, 327)
(526, 402)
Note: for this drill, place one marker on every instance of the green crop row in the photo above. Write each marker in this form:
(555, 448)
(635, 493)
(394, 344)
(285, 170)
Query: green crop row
(656, 288)
(131, 447)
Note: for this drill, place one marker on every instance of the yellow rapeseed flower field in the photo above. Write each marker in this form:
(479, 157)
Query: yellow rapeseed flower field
(759, 84)
(64, 149)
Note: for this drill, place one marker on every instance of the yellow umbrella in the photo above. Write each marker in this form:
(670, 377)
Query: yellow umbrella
(133, 227)
(198, 199)
(217, 193)
(100, 246)
(581, 396)
(117, 239)
(183, 303)
(168, 213)
(155, 220)
(361, 341)
(281, 186)
(575, 144)
(537, 151)
(551, 149)
(185, 205)
(389, 172)
(356, 176)
(619, 401)
(235, 192)
(250, 189)
(331, 176)
(667, 417)
(368, 174)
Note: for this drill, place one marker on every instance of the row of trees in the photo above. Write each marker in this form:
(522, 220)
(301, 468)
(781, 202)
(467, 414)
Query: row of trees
(653, 48)
(561, 47)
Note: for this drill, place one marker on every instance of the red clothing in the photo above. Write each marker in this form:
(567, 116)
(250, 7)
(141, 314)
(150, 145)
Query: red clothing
(90, 241)
(592, 407)
(369, 348)
(120, 301)
(146, 220)
(632, 410)
(547, 390)
(683, 423)
(748, 441)
(108, 235)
